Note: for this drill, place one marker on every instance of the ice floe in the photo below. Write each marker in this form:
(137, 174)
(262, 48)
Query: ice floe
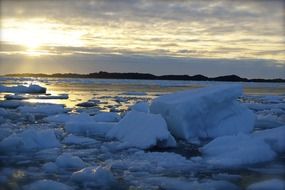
(142, 130)
(29, 140)
(236, 151)
(48, 141)
(205, 112)
(23, 89)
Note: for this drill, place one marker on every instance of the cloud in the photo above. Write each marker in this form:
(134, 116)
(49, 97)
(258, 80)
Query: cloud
(234, 36)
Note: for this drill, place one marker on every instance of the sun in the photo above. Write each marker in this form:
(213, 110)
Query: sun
(35, 36)
(30, 36)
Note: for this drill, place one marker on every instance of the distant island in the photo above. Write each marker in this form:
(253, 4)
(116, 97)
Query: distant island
(146, 76)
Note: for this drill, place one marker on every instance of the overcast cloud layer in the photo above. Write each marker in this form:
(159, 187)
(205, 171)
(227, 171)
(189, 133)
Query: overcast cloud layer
(161, 37)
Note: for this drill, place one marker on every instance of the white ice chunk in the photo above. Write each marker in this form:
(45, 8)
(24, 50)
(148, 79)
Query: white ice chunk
(46, 184)
(67, 161)
(72, 139)
(141, 107)
(142, 130)
(30, 139)
(107, 117)
(272, 184)
(99, 177)
(23, 89)
(206, 112)
(237, 151)
(274, 137)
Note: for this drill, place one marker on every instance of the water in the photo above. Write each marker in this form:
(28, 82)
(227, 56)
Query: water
(26, 167)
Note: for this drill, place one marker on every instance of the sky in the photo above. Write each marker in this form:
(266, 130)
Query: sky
(213, 38)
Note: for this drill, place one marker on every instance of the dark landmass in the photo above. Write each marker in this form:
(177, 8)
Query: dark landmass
(146, 76)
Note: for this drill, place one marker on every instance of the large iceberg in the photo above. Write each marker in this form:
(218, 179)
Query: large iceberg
(206, 112)
(142, 130)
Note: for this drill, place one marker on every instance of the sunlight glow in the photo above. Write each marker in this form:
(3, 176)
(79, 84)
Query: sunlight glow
(36, 34)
